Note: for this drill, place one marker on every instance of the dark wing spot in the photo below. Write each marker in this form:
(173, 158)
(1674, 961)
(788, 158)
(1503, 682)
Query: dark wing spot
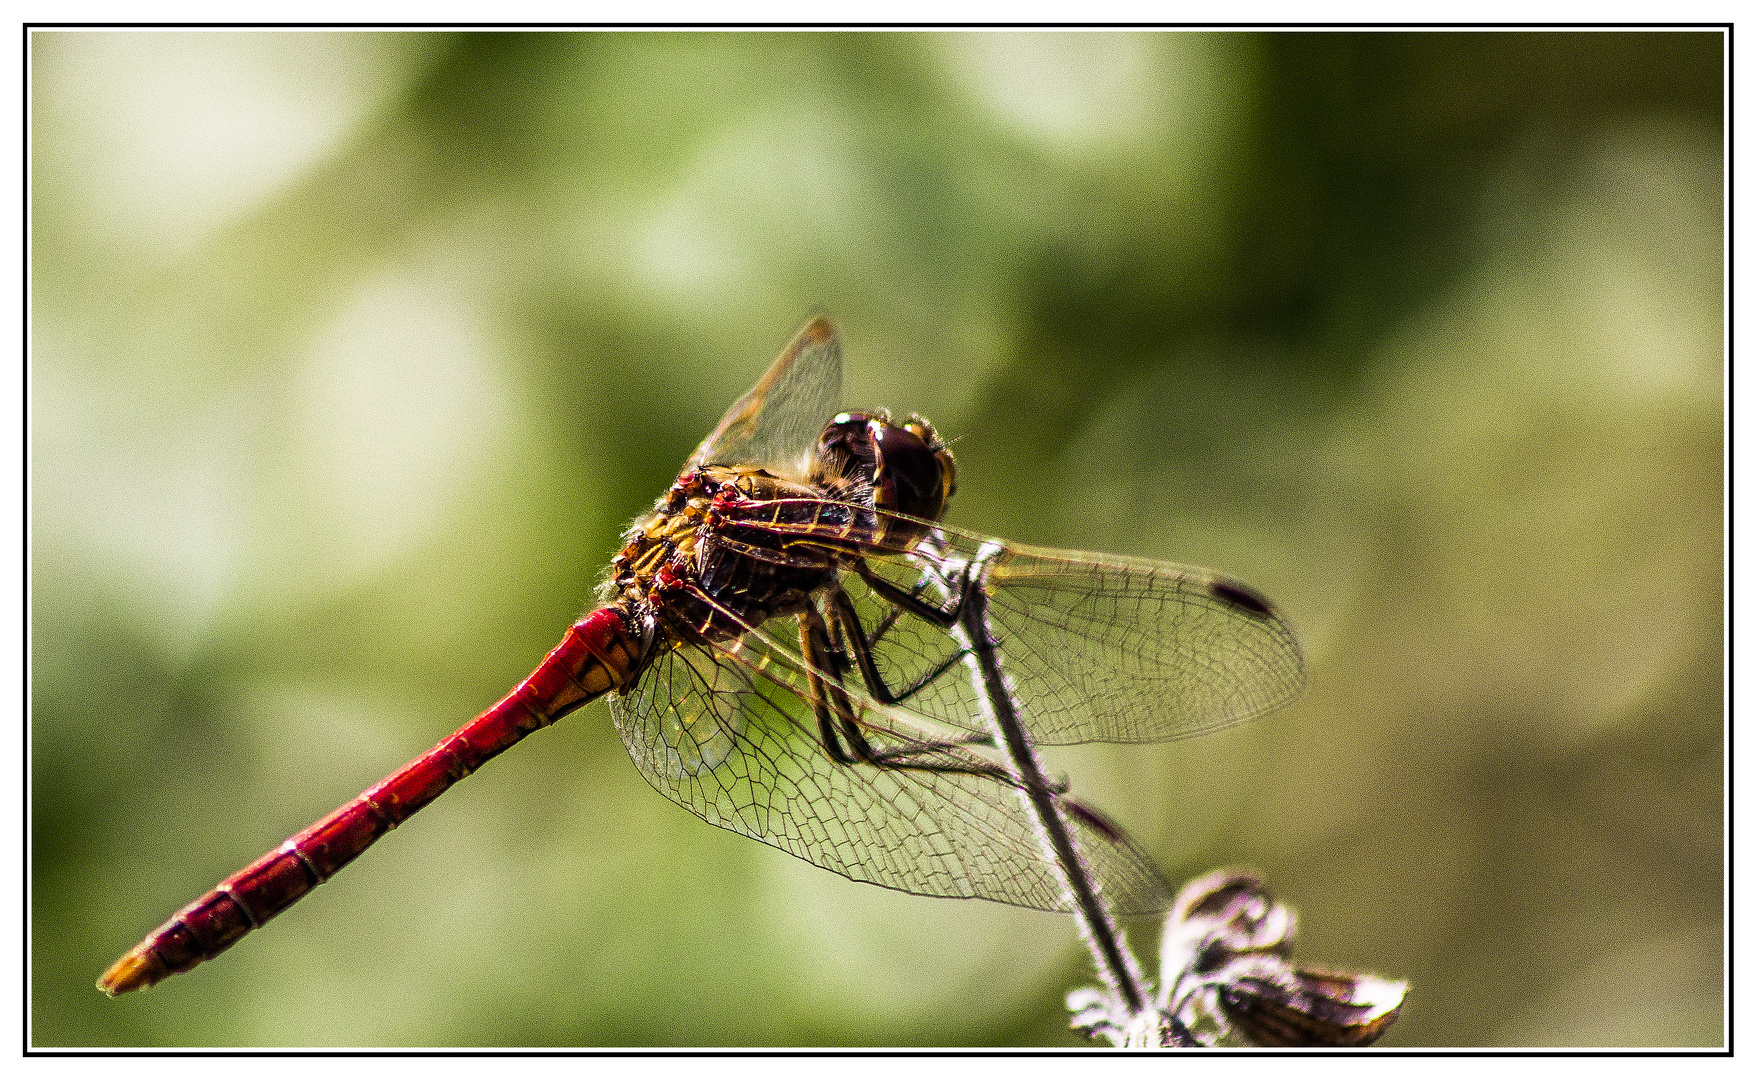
(1241, 596)
(1093, 820)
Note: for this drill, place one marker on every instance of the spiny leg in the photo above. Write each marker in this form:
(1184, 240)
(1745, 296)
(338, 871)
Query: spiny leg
(892, 614)
(824, 652)
(827, 654)
(837, 722)
(853, 639)
(910, 600)
(928, 576)
(903, 758)
(814, 645)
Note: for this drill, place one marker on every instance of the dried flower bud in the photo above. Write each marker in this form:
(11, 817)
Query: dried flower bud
(1102, 1015)
(1096, 1016)
(1310, 1007)
(1219, 916)
(1226, 976)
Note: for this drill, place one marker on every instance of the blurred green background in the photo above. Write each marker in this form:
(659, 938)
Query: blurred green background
(353, 353)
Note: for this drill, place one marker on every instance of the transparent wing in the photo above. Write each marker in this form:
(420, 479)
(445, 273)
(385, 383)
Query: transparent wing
(778, 421)
(729, 734)
(1098, 648)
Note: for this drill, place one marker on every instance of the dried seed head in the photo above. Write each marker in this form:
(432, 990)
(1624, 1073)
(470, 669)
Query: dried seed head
(1311, 1007)
(1227, 977)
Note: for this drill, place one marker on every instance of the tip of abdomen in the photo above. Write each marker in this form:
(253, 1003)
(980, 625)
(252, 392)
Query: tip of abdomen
(135, 971)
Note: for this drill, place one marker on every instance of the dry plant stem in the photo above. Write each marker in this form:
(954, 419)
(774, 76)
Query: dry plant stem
(1115, 965)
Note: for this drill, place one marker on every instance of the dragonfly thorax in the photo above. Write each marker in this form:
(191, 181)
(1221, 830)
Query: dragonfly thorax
(713, 555)
(729, 547)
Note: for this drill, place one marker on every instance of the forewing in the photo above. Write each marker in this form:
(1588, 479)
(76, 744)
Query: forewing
(1098, 648)
(1109, 649)
(778, 421)
(728, 733)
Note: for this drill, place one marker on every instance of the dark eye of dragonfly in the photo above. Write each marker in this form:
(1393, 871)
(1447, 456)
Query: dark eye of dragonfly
(910, 469)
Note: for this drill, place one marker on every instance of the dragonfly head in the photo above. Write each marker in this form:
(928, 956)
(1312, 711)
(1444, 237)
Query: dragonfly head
(908, 466)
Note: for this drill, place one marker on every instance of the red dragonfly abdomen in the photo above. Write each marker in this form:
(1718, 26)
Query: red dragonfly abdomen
(600, 653)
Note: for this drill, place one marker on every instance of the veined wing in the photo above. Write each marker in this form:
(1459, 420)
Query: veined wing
(780, 418)
(728, 732)
(1098, 648)
(1113, 649)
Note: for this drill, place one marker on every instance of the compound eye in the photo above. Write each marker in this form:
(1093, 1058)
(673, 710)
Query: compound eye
(847, 451)
(918, 426)
(948, 475)
(910, 479)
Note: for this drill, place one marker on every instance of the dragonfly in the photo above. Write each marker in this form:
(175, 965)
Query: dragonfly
(797, 648)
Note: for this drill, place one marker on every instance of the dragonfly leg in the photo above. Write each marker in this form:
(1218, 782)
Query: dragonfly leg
(884, 625)
(837, 722)
(910, 600)
(814, 644)
(847, 620)
(928, 575)
(826, 653)
(900, 757)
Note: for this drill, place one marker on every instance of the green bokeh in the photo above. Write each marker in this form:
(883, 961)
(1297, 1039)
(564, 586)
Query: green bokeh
(353, 353)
